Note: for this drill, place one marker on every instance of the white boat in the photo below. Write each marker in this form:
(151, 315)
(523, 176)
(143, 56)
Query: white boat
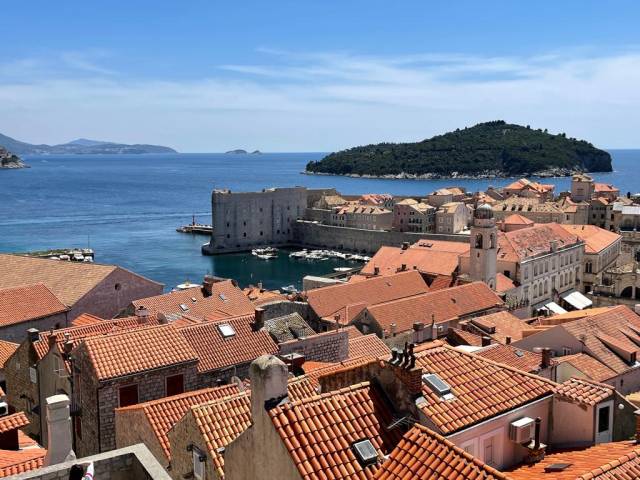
(342, 269)
(87, 260)
(268, 256)
(289, 289)
(265, 251)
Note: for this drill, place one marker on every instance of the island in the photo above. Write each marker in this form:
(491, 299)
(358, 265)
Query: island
(487, 150)
(80, 146)
(240, 151)
(10, 160)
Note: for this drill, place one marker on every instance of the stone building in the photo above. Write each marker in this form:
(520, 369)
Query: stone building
(29, 306)
(484, 246)
(242, 220)
(102, 290)
(528, 189)
(364, 217)
(409, 215)
(564, 211)
(452, 217)
(122, 369)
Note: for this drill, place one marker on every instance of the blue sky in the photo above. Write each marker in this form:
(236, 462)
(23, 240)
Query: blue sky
(206, 76)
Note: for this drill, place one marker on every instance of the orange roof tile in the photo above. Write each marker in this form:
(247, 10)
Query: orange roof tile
(605, 187)
(517, 219)
(164, 413)
(310, 365)
(367, 345)
(85, 319)
(441, 305)
(595, 238)
(227, 300)
(319, 431)
(588, 365)
(440, 283)
(423, 454)
(13, 422)
(215, 351)
(584, 391)
(498, 326)
(260, 296)
(617, 460)
(390, 260)
(337, 299)
(15, 462)
(520, 244)
(135, 351)
(482, 388)
(525, 184)
(456, 337)
(512, 356)
(29, 302)
(6, 350)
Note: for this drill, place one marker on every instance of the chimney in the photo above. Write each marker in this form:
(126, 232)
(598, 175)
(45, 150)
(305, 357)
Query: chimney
(376, 270)
(546, 358)
(258, 323)
(536, 449)
(268, 376)
(405, 245)
(507, 340)
(142, 312)
(207, 285)
(392, 328)
(51, 339)
(59, 447)
(486, 341)
(162, 318)
(418, 326)
(67, 346)
(260, 287)
(403, 267)
(33, 334)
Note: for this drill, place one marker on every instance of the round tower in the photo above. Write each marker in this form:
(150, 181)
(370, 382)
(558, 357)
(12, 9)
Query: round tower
(484, 246)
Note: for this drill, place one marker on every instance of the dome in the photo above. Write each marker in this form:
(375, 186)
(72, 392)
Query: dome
(483, 212)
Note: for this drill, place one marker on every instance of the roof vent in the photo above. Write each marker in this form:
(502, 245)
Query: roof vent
(365, 452)
(437, 385)
(226, 330)
(193, 299)
(184, 308)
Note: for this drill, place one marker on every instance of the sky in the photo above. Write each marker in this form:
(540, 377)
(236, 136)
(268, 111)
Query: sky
(210, 76)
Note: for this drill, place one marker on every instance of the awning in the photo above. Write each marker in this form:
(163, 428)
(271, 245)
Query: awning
(555, 308)
(576, 299)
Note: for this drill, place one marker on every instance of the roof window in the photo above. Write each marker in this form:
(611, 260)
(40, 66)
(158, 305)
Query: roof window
(365, 452)
(184, 308)
(226, 330)
(438, 385)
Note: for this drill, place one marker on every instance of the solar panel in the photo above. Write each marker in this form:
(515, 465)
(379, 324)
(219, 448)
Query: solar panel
(226, 330)
(557, 467)
(436, 384)
(365, 452)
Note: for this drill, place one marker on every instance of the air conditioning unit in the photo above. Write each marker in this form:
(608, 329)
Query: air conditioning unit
(522, 430)
(4, 409)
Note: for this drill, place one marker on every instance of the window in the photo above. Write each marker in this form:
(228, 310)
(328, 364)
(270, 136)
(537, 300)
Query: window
(603, 419)
(566, 351)
(174, 385)
(128, 395)
(365, 452)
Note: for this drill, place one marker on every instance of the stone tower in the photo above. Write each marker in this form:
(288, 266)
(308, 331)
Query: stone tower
(484, 246)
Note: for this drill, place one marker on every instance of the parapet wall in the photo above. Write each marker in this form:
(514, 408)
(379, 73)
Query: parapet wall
(308, 234)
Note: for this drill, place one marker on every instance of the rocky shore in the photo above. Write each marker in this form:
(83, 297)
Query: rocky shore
(10, 160)
(489, 174)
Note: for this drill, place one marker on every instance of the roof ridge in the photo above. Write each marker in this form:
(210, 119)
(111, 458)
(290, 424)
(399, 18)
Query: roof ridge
(144, 405)
(228, 398)
(118, 333)
(320, 396)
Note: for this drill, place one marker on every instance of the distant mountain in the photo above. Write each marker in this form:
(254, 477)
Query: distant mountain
(491, 149)
(10, 160)
(240, 151)
(80, 146)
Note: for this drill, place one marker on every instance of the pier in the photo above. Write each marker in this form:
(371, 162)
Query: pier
(196, 228)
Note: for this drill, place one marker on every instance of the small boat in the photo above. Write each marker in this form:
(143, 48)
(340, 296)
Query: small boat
(289, 289)
(87, 260)
(78, 257)
(265, 251)
(268, 256)
(65, 257)
(342, 269)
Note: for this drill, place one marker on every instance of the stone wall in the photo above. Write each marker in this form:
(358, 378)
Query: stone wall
(181, 436)
(22, 394)
(215, 378)
(133, 427)
(324, 347)
(315, 235)
(17, 332)
(284, 307)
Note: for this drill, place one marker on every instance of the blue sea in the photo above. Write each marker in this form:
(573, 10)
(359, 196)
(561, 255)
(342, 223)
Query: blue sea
(127, 207)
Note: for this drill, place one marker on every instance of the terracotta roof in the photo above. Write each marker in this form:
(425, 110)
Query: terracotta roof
(605, 187)
(482, 388)
(525, 184)
(215, 351)
(517, 219)
(391, 259)
(595, 238)
(440, 282)
(456, 337)
(135, 351)
(311, 365)
(15, 462)
(498, 326)
(589, 366)
(349, 299)
(366, 209)
(260, 296)
(440, 246)
(584, 391)
(164, 413)
(227, 300)
(85, 319)
(288, 327)
(13, 422)
(69, 281)
(367, 345)
(352, 363)
(423, 454)
(28, 302)
(77, 334)
(441, 305)
(6, 350)
(617, 460)
(503, 283)
(319, 431)
(512, 356)
(520, 244)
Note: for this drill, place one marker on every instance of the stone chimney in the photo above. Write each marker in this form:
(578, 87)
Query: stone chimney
(51, 339)
(376, 270)
(486, 341)
(405, 245)
(142, 312)
(393, 329)
(268, 376)
(507, 340)
(207, 285)
(258, 322)
(546, 358)
(33, 334)
(403, 267)
(59, 446)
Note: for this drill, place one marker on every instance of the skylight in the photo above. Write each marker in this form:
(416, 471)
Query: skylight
(223, 297)
(365, 452)
(184, 308)
(439, 386)
(226, 330)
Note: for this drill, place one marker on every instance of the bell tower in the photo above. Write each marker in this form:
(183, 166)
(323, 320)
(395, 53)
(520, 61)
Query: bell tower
(484, 246)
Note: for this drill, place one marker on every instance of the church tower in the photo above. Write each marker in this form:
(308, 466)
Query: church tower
(484, 246)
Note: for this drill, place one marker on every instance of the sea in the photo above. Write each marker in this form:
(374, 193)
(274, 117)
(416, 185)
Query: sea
(127, 207)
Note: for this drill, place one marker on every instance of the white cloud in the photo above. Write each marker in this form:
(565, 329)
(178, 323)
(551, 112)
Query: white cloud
(322, 101)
